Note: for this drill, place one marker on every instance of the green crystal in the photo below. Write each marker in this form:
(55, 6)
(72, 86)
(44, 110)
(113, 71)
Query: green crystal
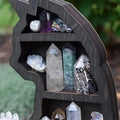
(69, 60)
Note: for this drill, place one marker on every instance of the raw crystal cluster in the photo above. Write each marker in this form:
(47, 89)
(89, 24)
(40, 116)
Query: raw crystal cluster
(54, 69)
(9, 116)
(96, 116)
(73, 112)
(36, 62)
(58, 114)
(68, 64)
(59, 26)
(46, 25)
(83, 80)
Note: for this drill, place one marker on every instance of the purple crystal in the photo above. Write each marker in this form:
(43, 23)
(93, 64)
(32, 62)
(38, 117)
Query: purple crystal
(45, 19)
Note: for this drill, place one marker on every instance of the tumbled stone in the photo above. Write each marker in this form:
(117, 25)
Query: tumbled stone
(45, 118)
(35, 26)
(96, 116)
(84, 82)
(58, 114)
(54, 70)
(73, 112)
(68, 63)
(36, 62)
(45, 19)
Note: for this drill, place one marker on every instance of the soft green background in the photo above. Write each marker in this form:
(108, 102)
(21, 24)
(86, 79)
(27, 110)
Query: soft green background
(16, 94)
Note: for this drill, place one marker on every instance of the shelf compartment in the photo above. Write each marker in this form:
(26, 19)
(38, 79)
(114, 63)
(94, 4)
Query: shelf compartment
(72, 96)
(50, 105)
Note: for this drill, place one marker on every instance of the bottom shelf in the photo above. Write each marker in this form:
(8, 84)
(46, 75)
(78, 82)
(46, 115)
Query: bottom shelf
(49, 106)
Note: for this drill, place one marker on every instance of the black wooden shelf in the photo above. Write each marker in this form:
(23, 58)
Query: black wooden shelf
(86, 41)
(48, 37)
(72, 96)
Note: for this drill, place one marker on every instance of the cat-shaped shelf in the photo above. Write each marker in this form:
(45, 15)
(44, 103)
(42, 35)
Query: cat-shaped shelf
(83, 37)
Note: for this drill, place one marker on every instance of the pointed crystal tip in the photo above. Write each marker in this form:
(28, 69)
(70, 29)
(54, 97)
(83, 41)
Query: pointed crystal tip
(73, 107)
(45, 118)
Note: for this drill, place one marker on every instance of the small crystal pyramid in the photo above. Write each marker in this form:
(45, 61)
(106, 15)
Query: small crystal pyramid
(73, 112)
(9, 115)
(45, 118)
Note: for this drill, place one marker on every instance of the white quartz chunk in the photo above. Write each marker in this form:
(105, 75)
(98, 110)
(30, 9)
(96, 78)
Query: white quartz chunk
(36, 62)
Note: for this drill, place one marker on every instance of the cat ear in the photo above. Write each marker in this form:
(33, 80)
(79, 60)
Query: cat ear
(22, 7)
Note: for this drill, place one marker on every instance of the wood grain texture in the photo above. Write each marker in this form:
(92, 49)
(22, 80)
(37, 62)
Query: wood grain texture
(84, 38)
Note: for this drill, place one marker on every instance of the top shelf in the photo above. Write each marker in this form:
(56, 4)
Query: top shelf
(72, 96)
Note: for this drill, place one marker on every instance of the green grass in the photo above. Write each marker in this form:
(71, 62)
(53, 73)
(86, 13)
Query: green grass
(16, 94)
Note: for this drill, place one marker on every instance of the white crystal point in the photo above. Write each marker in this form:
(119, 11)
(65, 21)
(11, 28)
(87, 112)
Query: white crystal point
(15, 116)
(81, 61)
(54, 70)
(45, 118)
(35, 25)
(36, 62)
(73, 112)
(2, 116)
(9, 115)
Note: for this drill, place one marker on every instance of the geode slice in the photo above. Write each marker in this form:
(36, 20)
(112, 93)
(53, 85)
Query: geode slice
(54, 69)
(68, 63)
(84, 82)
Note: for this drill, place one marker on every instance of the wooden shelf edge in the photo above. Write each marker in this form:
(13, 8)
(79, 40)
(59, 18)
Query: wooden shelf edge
(70, 96)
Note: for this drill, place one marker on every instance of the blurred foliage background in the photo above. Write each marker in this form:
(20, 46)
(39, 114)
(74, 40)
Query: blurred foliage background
(104, 16)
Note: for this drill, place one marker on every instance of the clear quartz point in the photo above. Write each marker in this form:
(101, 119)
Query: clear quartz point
(73, 112)
(9, 115)
(2, 116)
(45, 118)
(54, 70)
(15, 116)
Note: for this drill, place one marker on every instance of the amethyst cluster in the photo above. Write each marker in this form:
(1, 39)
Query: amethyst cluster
(46, 24)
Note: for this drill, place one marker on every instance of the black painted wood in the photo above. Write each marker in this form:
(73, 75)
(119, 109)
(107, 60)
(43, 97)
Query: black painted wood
(84, 38)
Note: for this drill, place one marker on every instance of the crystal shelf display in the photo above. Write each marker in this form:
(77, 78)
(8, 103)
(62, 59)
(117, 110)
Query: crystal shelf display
(68, 64)
(54, 69)
(73, 112)
(84, 82)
